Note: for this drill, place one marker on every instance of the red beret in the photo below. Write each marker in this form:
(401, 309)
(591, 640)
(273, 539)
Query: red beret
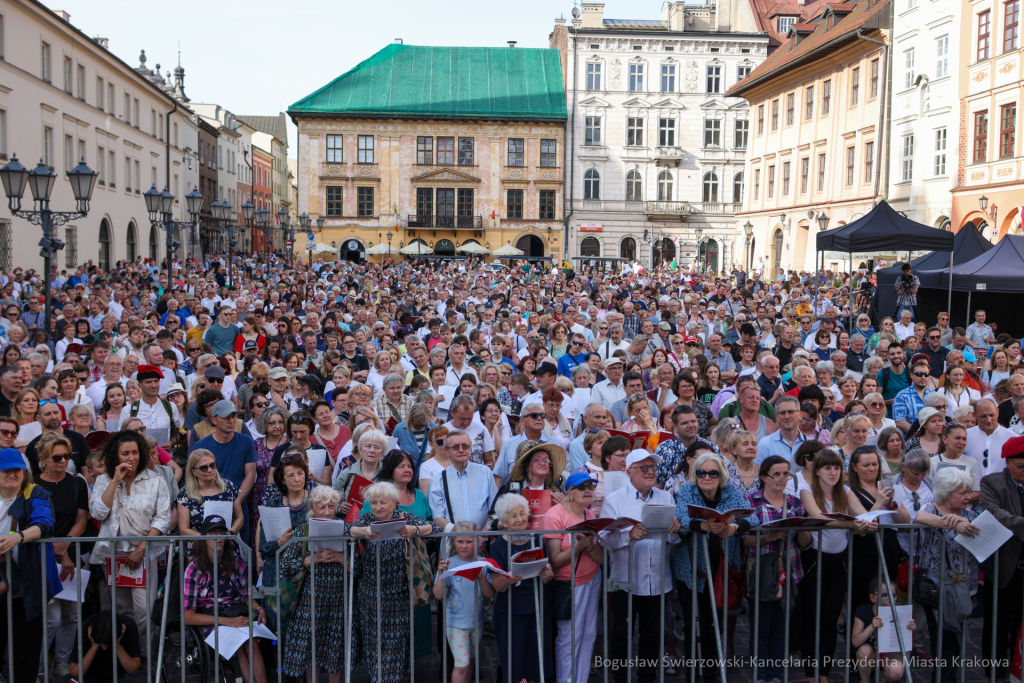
(149, 372)
(1013, 448)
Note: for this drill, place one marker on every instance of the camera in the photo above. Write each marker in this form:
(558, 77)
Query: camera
(905, 283)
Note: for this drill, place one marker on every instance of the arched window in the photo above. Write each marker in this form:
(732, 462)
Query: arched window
(130, 243)
(592, 185)
(627, 249)
(711, 187)
(104, 256)
(590, 247)
(634, 187)
(737, 188)
(152, 244)
(664, 186)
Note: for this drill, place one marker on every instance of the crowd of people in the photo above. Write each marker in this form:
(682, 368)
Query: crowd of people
(522, 400)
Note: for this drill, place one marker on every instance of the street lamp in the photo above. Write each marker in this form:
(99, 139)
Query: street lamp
(697, 232)
(40, 180)
(285, 219)
(389, 243)
(160, 206)
(991, 215)
(748, 228)
(823, 222)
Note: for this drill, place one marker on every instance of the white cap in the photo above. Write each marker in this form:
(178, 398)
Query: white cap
(639, 455)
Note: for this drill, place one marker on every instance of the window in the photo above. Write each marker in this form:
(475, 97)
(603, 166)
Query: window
(69, 153)
(101, 166)
(710, 188)
(826, 97)
(424, 150)
(742, 71)
(821, 173)
(940, 152)
(668, 78)
(805, 172)
(790, 108)
(760, 119)
(99, 93)
(757, 183)
(593, 76)
(135, 112)
(465, 151)
(67, 75)
(445, 204)
(365, 150)
(424, 201)
(627, 249)
(670, 48)
(712, 132)
(515, 204)
(634, 187)
(81, 82)
(464, 203)
(590, 246)
(446, 151)
(548, 153)
(138, 178)
(127, 108)
(546, 203)
(855, 87)
(667, 132)
(1011, 24)
(984, 28)
(911, 4)
(48, 146)
(515, 151)
(335, 149)
(980, 136)
(664, 186)
(592, 184)
(44, 62)
(127, 174)
(592, 131)
(364, 200)
(942, 57)
(81, 155)
(809, 103)
(737, 188)
(714, 79)
(634, 132)
(785, 179)
(771, 182)
(908, 65)
(335, 205)
(775, 115)
(742, 130)
(785, 23)
(637, 48)
(1007, 129)
(908, 158)
(110, 99)
(112, 167)
(636, 77)
(869, 161)
(849, 166)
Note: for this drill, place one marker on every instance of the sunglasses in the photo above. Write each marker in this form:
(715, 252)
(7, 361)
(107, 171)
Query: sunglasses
(292, 457)
(43, 402)
(211, 466)
(215, 380)
(714, 474)
(534, 416)
(591, 486)
(60, 458)
(260, 405)
(646, 469)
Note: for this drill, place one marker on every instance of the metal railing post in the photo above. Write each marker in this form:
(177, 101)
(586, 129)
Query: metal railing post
(661, 623)
(849, 604)
(312, 606)
(380, 662)
(691, 627)
(78, 600)
(995, 615)
(113, 606)
(942, 594)
(709, 583)
(755, 640)
(348, 596)
(817, 614)
(629, 605)
(41, 550)
(216, 613)
(412, 611)
(892, 605)
(572, 604)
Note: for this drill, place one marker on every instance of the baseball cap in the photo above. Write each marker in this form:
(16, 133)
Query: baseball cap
(278, 373)
(547, 369)
(10, 459)
(223, 408)
(251, 346)
(578, 478)
(214, 522)
(639, 455)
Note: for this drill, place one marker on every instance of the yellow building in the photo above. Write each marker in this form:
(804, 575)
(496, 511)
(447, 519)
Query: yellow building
(440, 147)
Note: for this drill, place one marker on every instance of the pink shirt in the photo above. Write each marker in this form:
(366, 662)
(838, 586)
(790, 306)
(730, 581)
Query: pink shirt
(559, 518)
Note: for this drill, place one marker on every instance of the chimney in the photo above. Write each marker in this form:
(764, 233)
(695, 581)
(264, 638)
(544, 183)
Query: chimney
(511, 43)
(399, 41)
(593, 14)
(560, 21)
(102, 42)
(63, 15)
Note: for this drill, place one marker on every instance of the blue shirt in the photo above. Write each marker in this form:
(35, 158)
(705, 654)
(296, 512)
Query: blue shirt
(472, 494)
(908, 404)
(567, 363)
(897, 383)
(776, 445)
(461, 595)
(232, 457)
(724, 360)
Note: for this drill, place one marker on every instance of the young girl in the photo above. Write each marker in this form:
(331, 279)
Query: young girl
(866, 622)
(462, 600)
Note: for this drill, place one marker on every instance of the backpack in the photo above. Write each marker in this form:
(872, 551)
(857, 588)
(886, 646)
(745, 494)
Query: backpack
(167, 406)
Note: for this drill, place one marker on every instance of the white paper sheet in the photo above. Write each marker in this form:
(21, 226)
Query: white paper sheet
(887, 637)
(317, 461)
(479, 564)
(580, 399)
(224, 508)
(992, 536)
(327, 527)
(528, 570)
(29, 431)
(231, 638)
(161, 434)
(872, 515)
(448, 393)
(275, 521)
(657, 516)
(392, 443)
(613, 481)
(68, 593)
(388, 530)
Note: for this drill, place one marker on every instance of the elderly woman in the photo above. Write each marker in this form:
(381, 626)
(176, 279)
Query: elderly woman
(326, 582)
(513, 513)
(203, 483)
(412, 433)
(708, 487)
(538, 467)
(386, 593)
(350, 451)
(130, 499)
(948, 515)
(372, 444)
(381, 369)
(290, 490)
(743, 470)
(580, 561)
(271, 427)
(876, 413)
(555, 424)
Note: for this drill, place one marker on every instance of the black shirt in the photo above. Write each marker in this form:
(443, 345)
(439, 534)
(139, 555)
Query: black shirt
(784, 355)
(79, 451)
(100, 670)
(67, 497)
(359, 362)
(936, 359)
(5, 405)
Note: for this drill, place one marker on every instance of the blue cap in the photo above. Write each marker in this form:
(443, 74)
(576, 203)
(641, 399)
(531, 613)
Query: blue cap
(577, 478)
(10, 459)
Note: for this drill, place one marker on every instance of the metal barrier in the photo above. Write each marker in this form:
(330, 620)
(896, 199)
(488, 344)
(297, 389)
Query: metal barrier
(177, 546)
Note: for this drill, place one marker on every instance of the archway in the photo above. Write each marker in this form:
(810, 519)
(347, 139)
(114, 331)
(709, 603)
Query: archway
(627, 249)
(131, 243)
(104, 255)
(1010, 224)
(530, 245)
(444, 248)
(590, 247)
(352, 249)
(709, 254)
(776, 252)
(664, 251)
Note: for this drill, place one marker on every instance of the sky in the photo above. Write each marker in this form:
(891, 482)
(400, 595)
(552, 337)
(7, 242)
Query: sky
(260, 56)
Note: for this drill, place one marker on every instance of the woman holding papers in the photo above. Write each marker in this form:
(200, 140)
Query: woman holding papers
(388, 591)
(638, 412)
(290, 492)
(203, 483)
(25, 410)
(372, 444)
(513, 513)
(232, 593)
(330, 598)
(708, 487)
(270, 424)
(949, 515)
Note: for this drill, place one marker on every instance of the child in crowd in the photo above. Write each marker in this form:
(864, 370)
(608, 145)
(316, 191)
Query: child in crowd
(866, 622)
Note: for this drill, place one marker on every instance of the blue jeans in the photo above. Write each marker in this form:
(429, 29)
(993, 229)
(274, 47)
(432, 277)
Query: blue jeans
(771, 633)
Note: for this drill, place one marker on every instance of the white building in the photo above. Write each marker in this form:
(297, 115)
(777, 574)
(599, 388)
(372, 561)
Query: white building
(657, 148)
(922, 170)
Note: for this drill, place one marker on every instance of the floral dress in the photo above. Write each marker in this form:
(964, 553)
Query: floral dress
(195, 510)
(393, 633)
(269, 549)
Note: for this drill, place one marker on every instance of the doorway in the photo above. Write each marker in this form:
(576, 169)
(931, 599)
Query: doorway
(352, 250)
(709, 255)
(530, 245)
(776, 257)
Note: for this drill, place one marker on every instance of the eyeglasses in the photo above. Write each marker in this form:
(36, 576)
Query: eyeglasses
(8, 433)
(459, 447)
(291, 457)
(44, 401)
(212, 466)
(591, 486)
(876, 404)
(538, 461)
(933, 337)
(646, 469)
(714, 474)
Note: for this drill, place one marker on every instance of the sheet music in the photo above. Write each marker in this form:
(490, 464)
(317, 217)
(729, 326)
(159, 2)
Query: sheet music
(613, 481)
(327, 527)
(448, 393)
(888, 641)
(388, 530)
(68, 593)
(231, 638)
(275, 521)
(161, 434)
(657, 516)
(528, 570)
(224, 508)
(992, 536)
(317, 460)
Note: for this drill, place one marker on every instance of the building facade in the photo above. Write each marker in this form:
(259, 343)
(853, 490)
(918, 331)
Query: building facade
(817, 134)
(990, 176)
(209, 229)
(262, 186)
(658, 147)
(270, 134)
(925, 111)
(476, 157)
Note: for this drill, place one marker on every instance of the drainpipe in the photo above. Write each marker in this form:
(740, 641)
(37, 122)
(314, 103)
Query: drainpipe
(571, 152)
(884, 113)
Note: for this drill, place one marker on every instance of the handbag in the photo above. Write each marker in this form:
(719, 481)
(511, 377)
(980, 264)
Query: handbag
(421, 576)
(290, 588)
(737, 586)
(772, 578)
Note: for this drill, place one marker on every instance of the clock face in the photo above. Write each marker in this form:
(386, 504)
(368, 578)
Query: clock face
(352, 245)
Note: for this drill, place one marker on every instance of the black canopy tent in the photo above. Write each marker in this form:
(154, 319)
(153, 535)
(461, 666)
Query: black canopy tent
(883, 229)
(968, 243)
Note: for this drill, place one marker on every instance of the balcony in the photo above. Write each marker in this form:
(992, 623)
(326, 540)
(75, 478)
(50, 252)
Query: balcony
(446, 222)
(714, 207)
(667, 156)
(674, 209)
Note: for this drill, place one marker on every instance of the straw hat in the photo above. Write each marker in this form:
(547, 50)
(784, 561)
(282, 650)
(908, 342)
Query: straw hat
(556, 453)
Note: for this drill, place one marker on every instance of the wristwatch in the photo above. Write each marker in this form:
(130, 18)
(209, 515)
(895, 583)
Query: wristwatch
(22, 536)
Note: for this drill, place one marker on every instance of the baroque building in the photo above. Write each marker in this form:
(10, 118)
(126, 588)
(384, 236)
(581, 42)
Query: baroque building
(657, 145)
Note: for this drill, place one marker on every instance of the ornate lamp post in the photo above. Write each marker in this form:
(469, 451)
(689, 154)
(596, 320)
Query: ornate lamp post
(389, 243)
(160, 206)
(748, 228)
(319, 231)
(284, 219)
(16, 177)
(304, 223)
(698, 231)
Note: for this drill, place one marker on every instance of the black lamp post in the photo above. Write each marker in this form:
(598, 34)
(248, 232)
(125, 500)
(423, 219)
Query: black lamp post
(284, 220)
(389, 243)
(304, 224)
(748, 228)
(698, 232)
(40, 181)
(319, 230)
(221, 214)
(160, 206)
(823, 222)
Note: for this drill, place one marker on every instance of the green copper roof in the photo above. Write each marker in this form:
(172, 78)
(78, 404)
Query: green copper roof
(415, 81)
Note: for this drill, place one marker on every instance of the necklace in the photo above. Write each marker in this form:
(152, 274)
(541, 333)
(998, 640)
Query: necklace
(751, 473)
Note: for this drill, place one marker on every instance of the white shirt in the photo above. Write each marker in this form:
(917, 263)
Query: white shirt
(608, 348)
(453, 377)
(832, 540)
(904, 331)
(953, 401)
(905, 497)
(607, 393)
(647, 554)
(568, 409)
(978, 442)
(810, 343)
(481, 442)
(153, 416)
(98, 390)
(964, 462)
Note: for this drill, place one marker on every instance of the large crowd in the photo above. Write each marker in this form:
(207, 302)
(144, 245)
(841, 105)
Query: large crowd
(462, 397)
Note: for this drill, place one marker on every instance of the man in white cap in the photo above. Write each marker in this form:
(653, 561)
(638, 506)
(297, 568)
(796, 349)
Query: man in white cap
(648, 584)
